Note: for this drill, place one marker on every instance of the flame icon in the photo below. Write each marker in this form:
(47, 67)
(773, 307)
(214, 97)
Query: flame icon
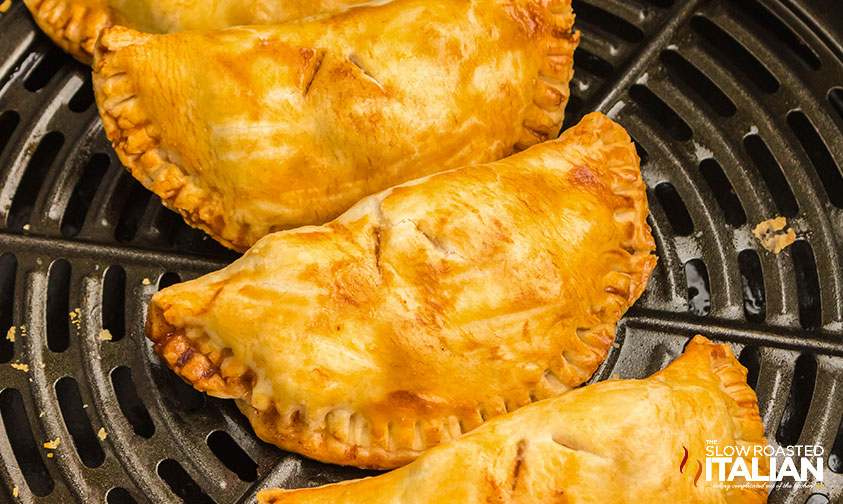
(685, 463)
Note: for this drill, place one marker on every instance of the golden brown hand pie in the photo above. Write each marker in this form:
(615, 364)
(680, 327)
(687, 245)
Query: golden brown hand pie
(620, 441)
(75, 24)
(251, 130)
(425, 309)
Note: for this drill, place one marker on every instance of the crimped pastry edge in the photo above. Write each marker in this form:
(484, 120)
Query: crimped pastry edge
(721, 366)
(213, 370)
(72, 25)
(136, 138)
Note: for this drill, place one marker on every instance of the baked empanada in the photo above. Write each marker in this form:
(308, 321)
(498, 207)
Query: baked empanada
(74, 25)
(252, 130)
(426, 309)
(615, 442)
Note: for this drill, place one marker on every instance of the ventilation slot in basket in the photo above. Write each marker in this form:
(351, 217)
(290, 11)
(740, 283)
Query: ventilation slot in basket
(130, 404)
(607, 23)
(737, 54)
(820, 157)
(114, 302)
(675, 210)
(23, 444)
(807, 285)
(723, 192)
(699, 293)
(761, 17)
(772, 174)
(798, 401)
(83, 98)
(45, 70)
(181, 483)
(751, 359)
(8, 122)
(136, 203)
(591, 63)
(752, 286)
(234, 458)
(686, 72)
(58, 310)
(661, 112)
(83, 194)
(190, 399)
(119, 495)
(33, 177)
(77, 422)
(8, 270)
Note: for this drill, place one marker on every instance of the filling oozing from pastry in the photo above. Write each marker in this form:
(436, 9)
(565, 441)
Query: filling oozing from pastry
(256, 129)
(426, 309)
(618, 441)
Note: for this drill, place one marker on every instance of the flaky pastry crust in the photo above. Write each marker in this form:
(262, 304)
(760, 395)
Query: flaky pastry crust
(619, 441)
(75, 25)
(426, 309)
(251, 130)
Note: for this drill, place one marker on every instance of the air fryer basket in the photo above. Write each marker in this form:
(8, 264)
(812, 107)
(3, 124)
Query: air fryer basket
(736, 107)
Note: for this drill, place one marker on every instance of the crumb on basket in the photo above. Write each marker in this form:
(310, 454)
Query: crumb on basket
(52, 445)
(50, 455)
(10, 334)
(102, 434)
(20, 366)
(615, 376)
(773, 235)
(615, 344)
(41, 415)
(26, 227)
(146, 281)
(15, 491)
(76, 318)
(105, 335)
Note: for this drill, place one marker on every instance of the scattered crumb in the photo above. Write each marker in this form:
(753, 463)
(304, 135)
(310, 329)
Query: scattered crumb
(773, 235)
(26, 227)
(21, 366)
(145, 281)
(15, 491)
(50, 455)
(102, 434)
(10, 334)
(105, 335)
(41, 415)
(52, 445)
(76, 318)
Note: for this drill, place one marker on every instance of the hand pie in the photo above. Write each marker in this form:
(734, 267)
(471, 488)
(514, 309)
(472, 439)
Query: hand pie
(75, 24)
(619, 441)
(252, 130)
(425, 309)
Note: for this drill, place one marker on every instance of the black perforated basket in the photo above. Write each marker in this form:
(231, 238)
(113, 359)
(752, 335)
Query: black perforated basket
(736, 107)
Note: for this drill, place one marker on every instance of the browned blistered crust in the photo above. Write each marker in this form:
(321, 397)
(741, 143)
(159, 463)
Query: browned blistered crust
(190, 175)
(615, 441)
(397, 427)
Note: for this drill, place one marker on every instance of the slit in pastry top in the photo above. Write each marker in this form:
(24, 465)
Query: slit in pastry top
(256, 129)
(426, 309)
(619, 441)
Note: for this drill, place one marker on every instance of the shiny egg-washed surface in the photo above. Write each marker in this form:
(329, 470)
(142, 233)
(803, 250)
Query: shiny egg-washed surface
(737, 108)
